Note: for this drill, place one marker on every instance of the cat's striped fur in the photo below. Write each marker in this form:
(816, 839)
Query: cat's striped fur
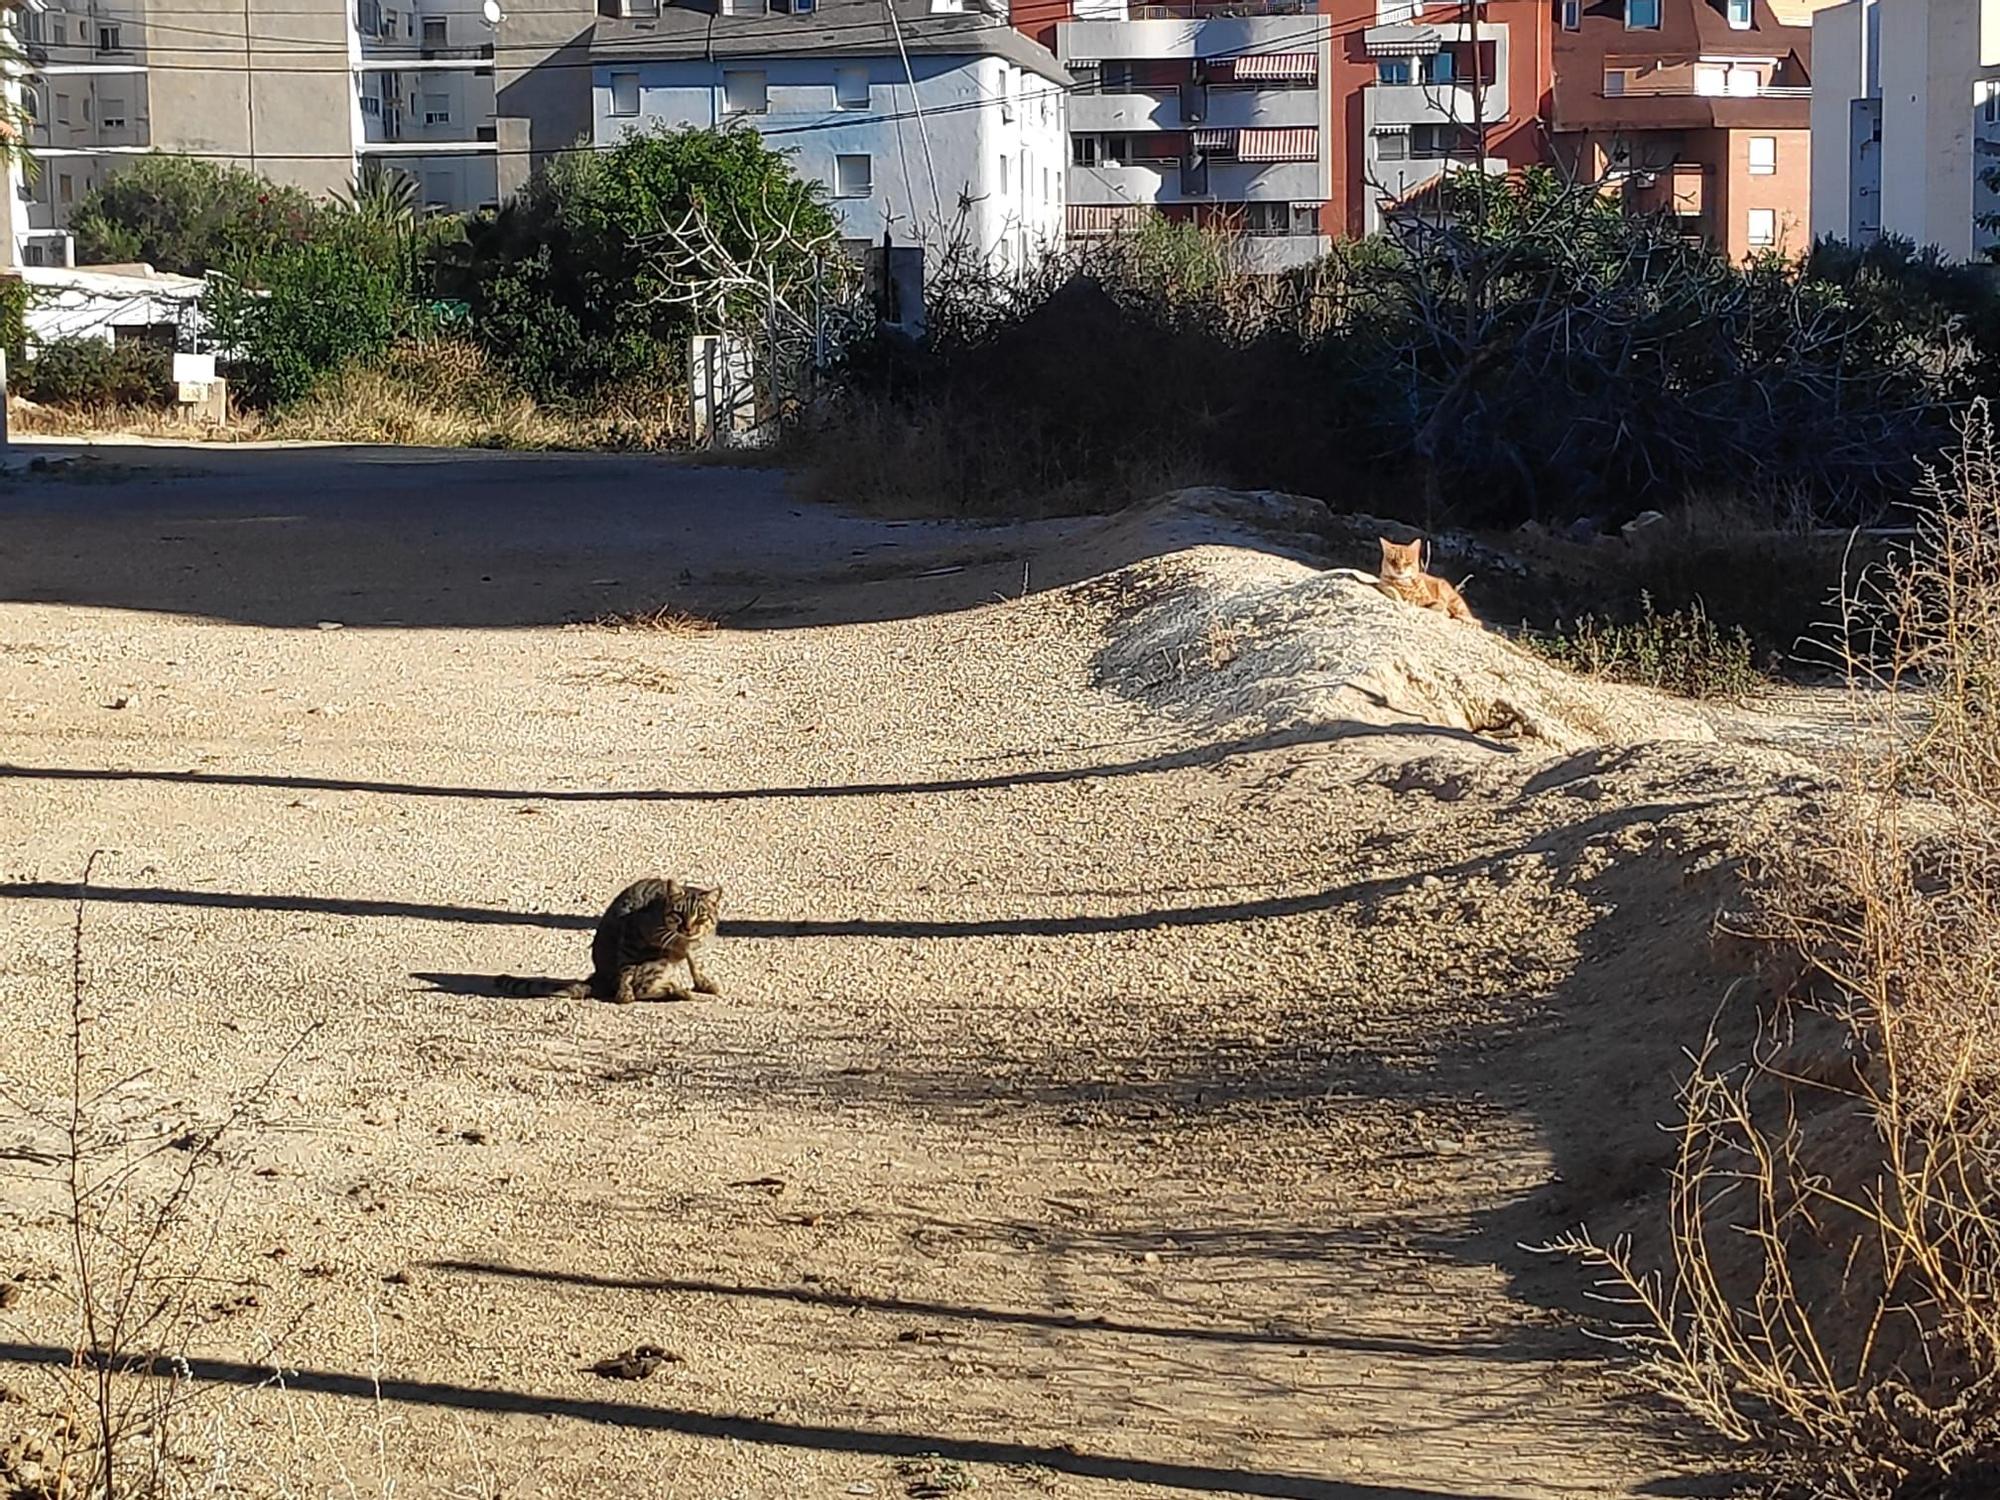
(653, 926)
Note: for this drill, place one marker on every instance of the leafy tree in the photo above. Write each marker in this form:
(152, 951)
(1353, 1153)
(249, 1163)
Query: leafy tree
(186, 215)
(575, 282)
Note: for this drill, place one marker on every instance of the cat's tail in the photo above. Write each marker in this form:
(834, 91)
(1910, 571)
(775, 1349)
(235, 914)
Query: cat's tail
(542, 989)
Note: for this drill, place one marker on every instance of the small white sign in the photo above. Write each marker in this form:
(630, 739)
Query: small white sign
(193, 369)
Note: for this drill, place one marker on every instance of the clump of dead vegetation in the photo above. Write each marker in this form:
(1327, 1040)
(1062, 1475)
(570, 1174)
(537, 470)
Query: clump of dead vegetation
(1830, 1297)
(664, 619)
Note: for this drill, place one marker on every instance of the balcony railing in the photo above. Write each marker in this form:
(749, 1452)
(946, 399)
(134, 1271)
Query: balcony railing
(1202, 10)
(1688, 91)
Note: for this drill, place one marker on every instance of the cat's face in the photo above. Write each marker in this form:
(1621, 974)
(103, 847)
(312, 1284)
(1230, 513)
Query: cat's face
(1402, 559)
(704, 910)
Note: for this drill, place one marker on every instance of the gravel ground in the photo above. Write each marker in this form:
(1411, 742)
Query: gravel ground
(1099, 1104)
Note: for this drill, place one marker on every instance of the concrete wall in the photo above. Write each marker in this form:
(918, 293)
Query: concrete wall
(969, 135)
(1930, 62)
(264, 84)
(1837, 83)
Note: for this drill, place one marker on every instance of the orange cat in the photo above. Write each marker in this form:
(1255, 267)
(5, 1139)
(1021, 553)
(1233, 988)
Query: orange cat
(1403, 577)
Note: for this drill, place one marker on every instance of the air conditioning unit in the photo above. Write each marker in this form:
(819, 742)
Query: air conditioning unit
(48, 248)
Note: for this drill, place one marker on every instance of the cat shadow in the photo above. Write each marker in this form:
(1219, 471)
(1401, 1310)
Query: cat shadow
(486, 987)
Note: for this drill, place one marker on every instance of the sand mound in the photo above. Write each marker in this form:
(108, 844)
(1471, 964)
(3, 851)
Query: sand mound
(1226, 631)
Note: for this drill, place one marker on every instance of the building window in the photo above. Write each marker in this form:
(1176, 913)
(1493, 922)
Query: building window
(31, 27)
(1003, 176)
(1987, 96)
(108, 39)
(1711, 81)
(370, 105)
(1614, 82)
(1393, 146)
(743, 91)
(1763, 155)
(1739, 14)
(851, 88)
(1392, 70)
(1437, 68)
(1572, 15)
(1763, 227)
(437, 109)
(437, 190)
(1745, 83)
(111, 114)
(625, 93)
(62, 109)
(65, 189)
(1045, 185)
(853, 176)
(1642, 15)
(1009, 79)
(434, 31)
(31, 104)
(1084, 150)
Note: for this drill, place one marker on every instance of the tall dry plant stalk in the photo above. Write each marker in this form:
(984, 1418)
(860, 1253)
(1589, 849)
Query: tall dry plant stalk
(1830, 1293)
(140, 1236)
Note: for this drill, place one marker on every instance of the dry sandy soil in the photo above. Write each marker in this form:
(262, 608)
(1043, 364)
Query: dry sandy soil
(1160, 1003)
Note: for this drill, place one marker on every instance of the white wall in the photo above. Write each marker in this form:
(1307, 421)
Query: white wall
(969, 131)
(1837, 82)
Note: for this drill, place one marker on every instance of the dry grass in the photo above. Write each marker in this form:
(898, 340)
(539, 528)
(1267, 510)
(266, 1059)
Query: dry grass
(32, 419)
(664, 620)
(1831, 1300)
(432, 393)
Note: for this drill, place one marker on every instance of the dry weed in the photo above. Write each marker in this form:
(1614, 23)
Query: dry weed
(1831, 1298)
(667, 619)
(140, 1238)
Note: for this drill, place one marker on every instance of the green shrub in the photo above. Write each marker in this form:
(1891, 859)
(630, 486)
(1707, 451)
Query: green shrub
(90, 372)
(574, 283)
(319, 306)
(187, 215)
(1682, 651)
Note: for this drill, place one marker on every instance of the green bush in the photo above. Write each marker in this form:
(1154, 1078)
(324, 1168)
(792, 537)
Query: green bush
(90, 372)
(573, 282)
(1682, 651)
(318, 306)
(186, 215)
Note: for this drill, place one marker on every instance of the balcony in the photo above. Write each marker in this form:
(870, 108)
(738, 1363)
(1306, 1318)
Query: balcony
(1228, 182)
(1264, 254)
(1431, 103)
(1202, 10)
(1205, 35)
(1160, 109)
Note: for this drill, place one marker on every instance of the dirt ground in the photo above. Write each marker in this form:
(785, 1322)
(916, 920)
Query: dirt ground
(1104, 1101)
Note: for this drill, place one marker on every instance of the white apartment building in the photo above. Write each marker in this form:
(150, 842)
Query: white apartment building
(1906, 122)
(935, 127)
(1208, 114)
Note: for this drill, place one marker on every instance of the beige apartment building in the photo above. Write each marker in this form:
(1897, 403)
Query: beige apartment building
(462, 95)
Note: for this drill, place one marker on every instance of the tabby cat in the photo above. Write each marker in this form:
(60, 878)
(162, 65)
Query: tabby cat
(652, 926)
(1403, 577)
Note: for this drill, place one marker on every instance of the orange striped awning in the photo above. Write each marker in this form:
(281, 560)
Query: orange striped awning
(1292, 143)
(1212, 140)
(1276, 67)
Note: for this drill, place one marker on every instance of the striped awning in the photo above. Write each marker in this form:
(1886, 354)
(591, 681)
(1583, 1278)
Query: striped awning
(1107, 218)
(1403, 39)
(1211, 140)
(1293, 143)
(1276, 67)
